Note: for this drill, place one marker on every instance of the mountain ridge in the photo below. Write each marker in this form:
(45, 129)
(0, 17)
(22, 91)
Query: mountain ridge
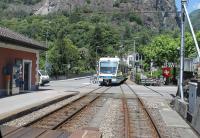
(195, 19)
(154, 13)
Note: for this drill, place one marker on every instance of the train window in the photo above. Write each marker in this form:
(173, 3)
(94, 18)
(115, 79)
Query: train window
(108, 67)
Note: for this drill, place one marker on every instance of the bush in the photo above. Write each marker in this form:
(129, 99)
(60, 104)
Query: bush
(137, 78)
(155, 74)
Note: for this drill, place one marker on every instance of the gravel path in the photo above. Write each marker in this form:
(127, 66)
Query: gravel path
(113, 121)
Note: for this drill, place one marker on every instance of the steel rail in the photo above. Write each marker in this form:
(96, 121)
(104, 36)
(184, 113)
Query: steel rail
(79, 110)
(58, 123)
(42, 117)
(148, 114)
(126, 115)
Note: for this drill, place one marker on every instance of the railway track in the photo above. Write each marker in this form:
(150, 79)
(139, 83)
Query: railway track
(137, 121)
(13, 119)
(84, 118)
(134, 121)
(57, 118)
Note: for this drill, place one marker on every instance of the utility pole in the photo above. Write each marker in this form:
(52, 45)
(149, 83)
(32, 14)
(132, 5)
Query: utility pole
(183, 2)
(96, 52)
(184, 13)
(134, 56)
(192, 30)
(70, 8)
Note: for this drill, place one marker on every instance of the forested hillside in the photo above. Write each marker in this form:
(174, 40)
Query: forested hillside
(84, 35)
(156, 14)
(81, 31)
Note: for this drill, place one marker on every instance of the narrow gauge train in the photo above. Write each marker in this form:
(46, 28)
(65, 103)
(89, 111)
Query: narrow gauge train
(112, 71)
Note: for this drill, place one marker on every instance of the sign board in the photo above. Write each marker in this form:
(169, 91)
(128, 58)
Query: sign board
(166, 72)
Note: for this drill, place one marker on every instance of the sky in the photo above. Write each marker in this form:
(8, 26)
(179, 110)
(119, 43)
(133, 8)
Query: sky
(192, 5)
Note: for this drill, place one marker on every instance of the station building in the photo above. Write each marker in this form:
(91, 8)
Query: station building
(19, 62)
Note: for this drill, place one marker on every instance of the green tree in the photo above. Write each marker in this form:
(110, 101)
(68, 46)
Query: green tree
(190, 49)
(105, 41)
(62, 55)
(162, 48)
(166, 48)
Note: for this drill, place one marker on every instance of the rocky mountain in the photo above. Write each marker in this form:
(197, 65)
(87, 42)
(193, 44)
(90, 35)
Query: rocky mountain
(154, 13)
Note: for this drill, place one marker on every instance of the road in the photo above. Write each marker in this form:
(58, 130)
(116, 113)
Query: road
(67, 85)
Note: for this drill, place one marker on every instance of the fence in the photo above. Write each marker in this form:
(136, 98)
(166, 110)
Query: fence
(154, 82)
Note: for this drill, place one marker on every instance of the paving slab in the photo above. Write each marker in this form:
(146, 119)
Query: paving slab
(186, 133)
(86, 133)
(172, 119)
(169, 123)
(19, 103)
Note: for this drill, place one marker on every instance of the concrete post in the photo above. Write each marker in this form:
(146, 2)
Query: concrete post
(183, 2)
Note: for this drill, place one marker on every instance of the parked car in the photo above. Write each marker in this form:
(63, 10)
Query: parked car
(44, 77)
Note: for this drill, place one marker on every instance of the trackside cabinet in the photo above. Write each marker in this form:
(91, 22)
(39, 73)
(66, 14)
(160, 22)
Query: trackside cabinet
(192, 97)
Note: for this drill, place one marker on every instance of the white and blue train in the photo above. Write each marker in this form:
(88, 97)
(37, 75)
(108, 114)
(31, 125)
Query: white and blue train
(112, 71)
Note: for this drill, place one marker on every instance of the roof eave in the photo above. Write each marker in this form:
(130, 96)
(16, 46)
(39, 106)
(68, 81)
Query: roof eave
(23, 44)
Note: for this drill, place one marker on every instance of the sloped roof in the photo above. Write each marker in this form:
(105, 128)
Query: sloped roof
(12, 37)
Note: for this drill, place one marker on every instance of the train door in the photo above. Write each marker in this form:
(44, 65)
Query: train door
(27, 66)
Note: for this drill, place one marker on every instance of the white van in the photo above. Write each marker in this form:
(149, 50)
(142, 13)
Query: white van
(44, 77)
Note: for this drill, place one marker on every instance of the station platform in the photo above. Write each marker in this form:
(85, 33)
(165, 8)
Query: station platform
(157, 102)
(19, 104)
(22, 132)
(30, 132)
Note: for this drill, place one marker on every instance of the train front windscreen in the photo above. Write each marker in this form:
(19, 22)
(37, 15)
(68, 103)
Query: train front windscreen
(108, 67)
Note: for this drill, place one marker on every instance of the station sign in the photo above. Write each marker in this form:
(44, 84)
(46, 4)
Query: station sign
(170, 64)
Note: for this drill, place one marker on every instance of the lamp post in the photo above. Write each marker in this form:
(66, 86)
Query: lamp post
(151, 67)
(96, 65)
(46, 41)
(46, 56)
(70, 8)
(96, 52)
(134, 52)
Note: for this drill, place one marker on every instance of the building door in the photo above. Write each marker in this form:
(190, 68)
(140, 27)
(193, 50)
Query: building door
(27, 75)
